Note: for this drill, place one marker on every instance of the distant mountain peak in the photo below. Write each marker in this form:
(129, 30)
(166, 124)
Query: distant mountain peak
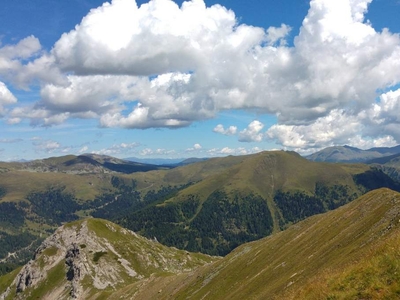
(351, 148)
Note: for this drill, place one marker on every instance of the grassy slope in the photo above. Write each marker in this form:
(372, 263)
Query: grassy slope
(6, 280)
(336, 246)
(263, 174)
(20, 183)
(190, 173)
(375, 276)
(266, 172)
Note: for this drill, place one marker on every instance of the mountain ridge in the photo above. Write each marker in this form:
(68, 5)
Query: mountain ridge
(329, 255)
(352, 154)
(83, 164)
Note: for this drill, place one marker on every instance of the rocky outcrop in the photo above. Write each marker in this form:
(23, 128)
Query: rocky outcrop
(87, 257)
(28, 276)
(72, 260)
(60, 248)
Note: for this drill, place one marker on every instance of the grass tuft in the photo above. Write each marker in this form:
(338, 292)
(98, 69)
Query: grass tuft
(98, 255)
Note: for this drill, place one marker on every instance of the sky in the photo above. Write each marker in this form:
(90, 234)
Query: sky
(175, 79)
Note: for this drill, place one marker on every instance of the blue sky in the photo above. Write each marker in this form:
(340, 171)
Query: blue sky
(200, 78)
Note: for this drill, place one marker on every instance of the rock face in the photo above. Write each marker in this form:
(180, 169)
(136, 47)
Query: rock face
(91, 257)
(73, 262)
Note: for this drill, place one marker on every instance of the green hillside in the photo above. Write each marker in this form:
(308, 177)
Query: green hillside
(18, 184)
(350, 253)
(245, 198)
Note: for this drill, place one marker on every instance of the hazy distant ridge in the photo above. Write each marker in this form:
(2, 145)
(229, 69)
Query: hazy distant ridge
(352, 154)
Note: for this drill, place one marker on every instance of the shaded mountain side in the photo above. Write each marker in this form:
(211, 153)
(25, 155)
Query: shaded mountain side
(386, 150)
(390, 165)
(375, 178)
(349, 253)
(391, 160)
(155, 161)
(392, 172)
(352, 154)
(82, 159)
(91, 259)
(167, 161)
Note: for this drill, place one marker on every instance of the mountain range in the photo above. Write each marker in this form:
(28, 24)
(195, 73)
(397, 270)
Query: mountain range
(348, 253)
(214, 206)
(352, 154)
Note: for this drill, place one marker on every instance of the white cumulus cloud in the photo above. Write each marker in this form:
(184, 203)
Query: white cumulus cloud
(6, 98)
(232, 151)
(156, 152)
(231, 130)
(117, 149)
(252, 133)
(364, 130)
(196, 147)
(47, 146)
(84, 149)
(161, 65)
